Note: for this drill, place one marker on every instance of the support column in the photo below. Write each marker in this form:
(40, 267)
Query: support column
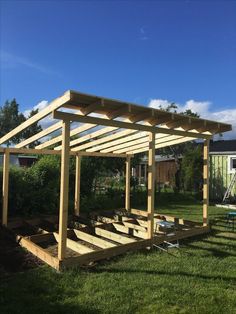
(205, 182)
(77, 184)
(63, 216)
(151, 189)
(5, 187)
(127, 183)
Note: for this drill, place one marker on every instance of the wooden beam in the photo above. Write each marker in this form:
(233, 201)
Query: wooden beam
(57, 152)
(125, 125)
(119, 226)
(205, 182)
(130, 141)
(93, 239)
(127, 184)
(138, 212)
(151, 184)
(144, 143)
(92, 107)
(73, 132)
(64, 190)
(74, 245)
(88, 137)
(5, 187)
(142, 116)
(124, 109)
(165, 144)
(108, 147)
(77, 185)
(106, 139)
(55, 104)
(39, 135)
(113, 236)
(105, 253)
(39, 252)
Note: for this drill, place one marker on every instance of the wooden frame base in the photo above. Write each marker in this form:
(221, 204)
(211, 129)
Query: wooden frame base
(96, 240)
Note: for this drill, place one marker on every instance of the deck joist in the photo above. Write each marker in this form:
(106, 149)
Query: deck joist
(94, 242)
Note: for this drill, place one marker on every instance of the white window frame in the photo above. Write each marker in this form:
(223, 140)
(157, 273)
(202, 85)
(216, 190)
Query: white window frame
(230, 164)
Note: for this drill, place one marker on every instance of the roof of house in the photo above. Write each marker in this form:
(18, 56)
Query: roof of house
(228, 146)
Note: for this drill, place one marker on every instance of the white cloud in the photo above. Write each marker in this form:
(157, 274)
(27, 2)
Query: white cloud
(205, 110)
(47, 121)
(142, 33)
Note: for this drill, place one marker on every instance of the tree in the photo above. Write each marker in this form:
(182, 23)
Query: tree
(10, 117)
(178, 151)
(33, 129)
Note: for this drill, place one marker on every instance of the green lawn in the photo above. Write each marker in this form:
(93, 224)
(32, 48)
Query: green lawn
(199, 278)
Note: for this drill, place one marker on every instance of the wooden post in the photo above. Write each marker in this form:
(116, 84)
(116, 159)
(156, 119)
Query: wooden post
(127, 184)
(5, 187)
(151, 190)
(77, 184)
(205, 182)
(64, 190)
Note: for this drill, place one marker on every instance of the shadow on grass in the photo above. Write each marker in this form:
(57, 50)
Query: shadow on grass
(164, 273)
(41, 291)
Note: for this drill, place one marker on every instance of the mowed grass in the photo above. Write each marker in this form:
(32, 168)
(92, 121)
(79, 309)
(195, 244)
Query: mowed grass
(198, 278)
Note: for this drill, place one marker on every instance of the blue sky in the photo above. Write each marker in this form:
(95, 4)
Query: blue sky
(149, 52)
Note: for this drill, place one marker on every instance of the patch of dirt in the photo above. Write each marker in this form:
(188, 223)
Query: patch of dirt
(13, 258)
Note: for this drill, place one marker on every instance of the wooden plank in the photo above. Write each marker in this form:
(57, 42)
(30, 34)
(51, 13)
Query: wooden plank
(39, 135)
(39, 252)
(55, 104)
(5, 187)
(205, 181)
(95, 145)
(75, 246)
(133, 225)
(58, 138)
(119, 112)
(119, 226)
(139, 212)
(127, 184)
(165, 144)
(57, 152)
(144, 143)
(88, 137)
(104, 254)
(113, 236)
(77, 185)
(93, 239)
(151, 184)
(35, 151)
(125, 125)
(92, 107)
(64, 186)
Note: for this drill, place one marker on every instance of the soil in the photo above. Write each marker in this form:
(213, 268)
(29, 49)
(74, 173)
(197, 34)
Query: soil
(13, 258)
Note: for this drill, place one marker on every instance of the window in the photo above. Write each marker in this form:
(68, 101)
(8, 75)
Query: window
(232, 164)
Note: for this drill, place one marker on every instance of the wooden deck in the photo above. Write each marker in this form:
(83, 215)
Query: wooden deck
(98, 237)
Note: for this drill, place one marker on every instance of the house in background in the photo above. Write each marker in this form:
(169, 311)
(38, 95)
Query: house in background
(222, 168)
(165, 170)
(20, 160)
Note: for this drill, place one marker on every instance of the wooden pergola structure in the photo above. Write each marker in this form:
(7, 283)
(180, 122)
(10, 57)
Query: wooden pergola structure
(107, 128)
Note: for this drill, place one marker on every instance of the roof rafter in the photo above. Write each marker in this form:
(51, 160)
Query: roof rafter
(55, 104)
(126, 125)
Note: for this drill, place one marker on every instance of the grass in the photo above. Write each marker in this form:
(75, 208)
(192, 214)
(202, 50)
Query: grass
(198, 278)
